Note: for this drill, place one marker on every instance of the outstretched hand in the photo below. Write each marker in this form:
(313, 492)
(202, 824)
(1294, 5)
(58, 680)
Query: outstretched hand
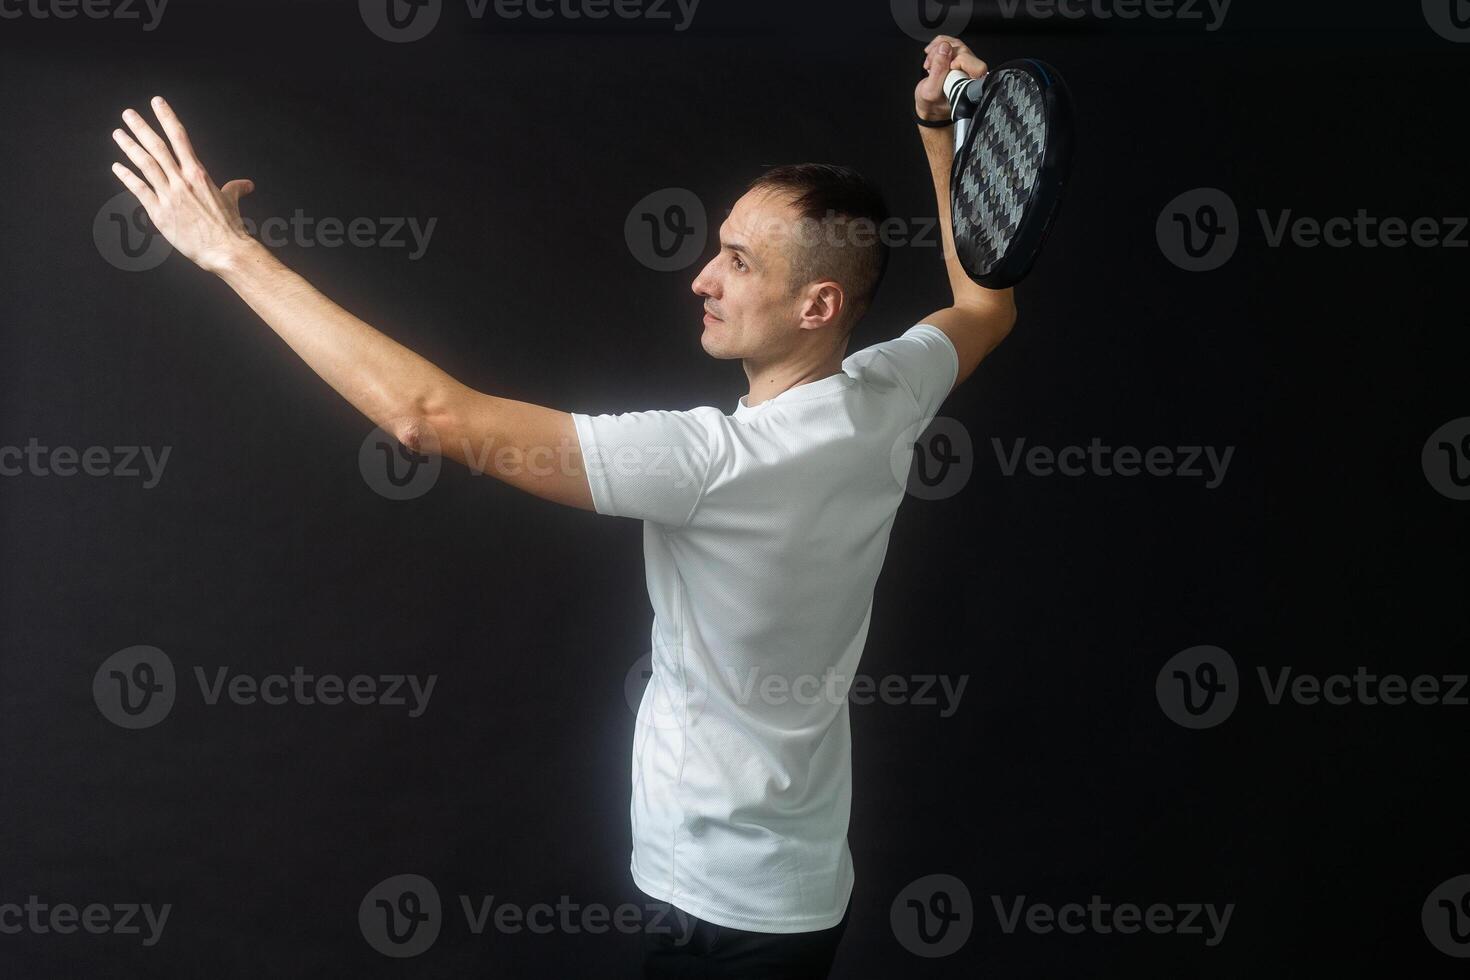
(199, 220)
(943, 54)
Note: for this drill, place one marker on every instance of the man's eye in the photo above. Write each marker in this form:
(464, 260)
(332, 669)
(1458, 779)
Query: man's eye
(739, 263)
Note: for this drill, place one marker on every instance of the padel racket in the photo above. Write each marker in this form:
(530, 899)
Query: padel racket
(1013, 152)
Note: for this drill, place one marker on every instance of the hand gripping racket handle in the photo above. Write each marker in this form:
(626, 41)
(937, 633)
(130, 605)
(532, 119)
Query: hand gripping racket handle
(963, 94)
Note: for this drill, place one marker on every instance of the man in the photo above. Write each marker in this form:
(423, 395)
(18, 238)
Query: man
(764, 529)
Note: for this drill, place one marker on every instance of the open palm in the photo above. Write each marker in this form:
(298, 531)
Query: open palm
(200, 220)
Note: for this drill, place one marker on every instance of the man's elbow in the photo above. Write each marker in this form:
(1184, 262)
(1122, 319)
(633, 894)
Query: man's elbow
(428, 424)
(1005, 321)
(993, 314)
(417, 435)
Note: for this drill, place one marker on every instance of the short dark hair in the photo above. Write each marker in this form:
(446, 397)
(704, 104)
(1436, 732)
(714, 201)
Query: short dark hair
(834, 198)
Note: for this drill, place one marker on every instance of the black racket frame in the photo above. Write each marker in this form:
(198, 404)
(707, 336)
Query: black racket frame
(1041, 208)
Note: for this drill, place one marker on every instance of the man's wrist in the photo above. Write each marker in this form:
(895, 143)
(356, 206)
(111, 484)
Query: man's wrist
(932, 117)
(238, 258)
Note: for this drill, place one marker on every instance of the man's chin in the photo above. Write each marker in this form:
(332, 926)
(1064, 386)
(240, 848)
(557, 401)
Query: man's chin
(714, 344)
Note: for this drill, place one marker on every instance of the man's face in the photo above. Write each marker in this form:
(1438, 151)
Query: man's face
(750, 307)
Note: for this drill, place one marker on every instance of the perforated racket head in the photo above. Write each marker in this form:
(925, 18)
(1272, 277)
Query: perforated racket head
(1009, 174)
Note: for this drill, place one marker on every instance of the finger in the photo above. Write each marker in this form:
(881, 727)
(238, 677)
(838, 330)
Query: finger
(938, 67)
(964, 59)
(141, 190)
(236, 189)
(970, 65)
(934, 50)
(177, 137)
(152, 143)
(145, 163)
(939, 64)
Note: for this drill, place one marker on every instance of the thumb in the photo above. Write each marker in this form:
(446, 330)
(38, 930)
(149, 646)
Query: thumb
(237, 189)
(940, 62)
(939, 65)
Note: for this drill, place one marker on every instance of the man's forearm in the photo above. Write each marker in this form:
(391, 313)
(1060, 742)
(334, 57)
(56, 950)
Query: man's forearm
(386, 381)
(425, 409)
(531, 447)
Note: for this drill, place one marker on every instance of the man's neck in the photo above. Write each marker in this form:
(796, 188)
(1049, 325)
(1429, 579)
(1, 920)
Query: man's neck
(767, 383)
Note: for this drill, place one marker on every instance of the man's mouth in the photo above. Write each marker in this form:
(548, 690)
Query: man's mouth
(711, 315)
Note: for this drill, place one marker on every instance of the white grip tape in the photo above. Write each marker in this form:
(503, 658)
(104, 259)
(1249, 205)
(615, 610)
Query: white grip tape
(952, 82)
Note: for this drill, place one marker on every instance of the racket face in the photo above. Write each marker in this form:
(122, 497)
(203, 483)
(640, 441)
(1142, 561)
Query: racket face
(1008, 176)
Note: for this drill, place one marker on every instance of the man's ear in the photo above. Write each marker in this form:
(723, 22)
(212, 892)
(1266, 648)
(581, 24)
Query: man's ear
(823, 304)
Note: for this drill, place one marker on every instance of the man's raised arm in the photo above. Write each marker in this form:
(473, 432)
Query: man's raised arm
(528, 446)
(980, 318)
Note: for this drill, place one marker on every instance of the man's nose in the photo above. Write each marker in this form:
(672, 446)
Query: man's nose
(704, 283)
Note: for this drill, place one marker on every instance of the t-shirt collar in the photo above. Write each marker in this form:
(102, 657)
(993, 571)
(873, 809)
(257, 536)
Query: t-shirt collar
(799, 393)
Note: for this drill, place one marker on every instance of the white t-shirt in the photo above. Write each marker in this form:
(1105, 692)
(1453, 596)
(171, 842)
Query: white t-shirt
(764, 535)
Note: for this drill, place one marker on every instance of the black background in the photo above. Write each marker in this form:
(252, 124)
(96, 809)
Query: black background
(262, 548)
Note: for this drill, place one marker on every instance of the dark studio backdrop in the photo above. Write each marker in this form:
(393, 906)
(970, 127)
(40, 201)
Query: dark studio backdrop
(1068, 766)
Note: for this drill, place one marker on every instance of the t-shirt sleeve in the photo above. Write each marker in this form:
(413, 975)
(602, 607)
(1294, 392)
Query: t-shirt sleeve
(653, 466)
(922, 361)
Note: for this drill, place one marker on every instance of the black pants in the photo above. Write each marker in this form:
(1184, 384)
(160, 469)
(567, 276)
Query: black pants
(690, 948)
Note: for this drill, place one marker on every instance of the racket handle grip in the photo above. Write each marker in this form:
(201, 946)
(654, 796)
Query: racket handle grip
(962, 92)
